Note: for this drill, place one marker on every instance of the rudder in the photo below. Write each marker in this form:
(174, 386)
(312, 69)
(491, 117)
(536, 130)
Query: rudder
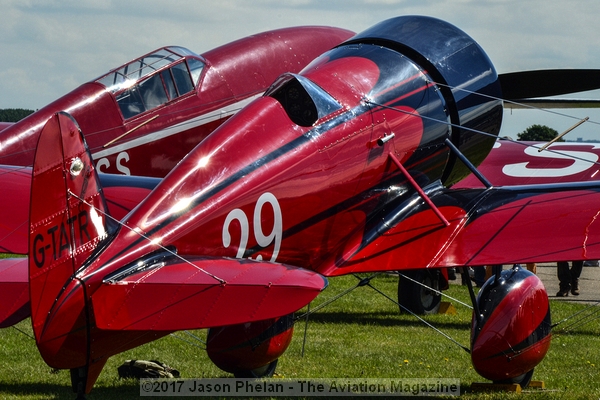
(67, 222)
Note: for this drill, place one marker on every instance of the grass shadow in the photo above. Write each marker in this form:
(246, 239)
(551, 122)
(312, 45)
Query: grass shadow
(382, 319)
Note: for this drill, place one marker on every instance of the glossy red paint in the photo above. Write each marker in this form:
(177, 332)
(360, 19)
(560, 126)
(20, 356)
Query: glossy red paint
(153, 141)
(67, 221)
(14, 295)
(522, 163)
(249, 346)
(14, 210)
(512, 335)
(569, 235)
(268, 290)
(122, 195)
(309, 176)
(79, 314)
(4, 125)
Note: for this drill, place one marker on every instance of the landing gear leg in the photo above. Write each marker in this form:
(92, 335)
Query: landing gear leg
(419, 291)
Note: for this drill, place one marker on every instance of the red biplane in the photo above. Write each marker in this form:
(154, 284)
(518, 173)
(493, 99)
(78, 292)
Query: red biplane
(350, 166)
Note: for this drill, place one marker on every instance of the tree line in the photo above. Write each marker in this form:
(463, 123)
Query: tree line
(13, 114)
(533, 133)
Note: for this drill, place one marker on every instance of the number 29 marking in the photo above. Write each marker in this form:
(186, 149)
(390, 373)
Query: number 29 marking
(261, 239)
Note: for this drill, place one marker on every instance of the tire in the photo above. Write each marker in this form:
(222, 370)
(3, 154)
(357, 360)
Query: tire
(523, 380)
(263, 372)
(418, 298)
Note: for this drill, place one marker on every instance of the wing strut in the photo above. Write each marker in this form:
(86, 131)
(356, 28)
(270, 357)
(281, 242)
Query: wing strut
(468, 164)
(562, 134)
(419, 190)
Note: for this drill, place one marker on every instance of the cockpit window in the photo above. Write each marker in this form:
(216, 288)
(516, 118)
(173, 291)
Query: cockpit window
(126, 76)
(139, 86)
(196, 67)
(303, 100)
(183, 80)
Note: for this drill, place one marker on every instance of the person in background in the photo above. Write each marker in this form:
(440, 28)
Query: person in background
(568, 277)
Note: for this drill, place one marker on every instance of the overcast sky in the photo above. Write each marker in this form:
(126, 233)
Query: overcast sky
(49, 47)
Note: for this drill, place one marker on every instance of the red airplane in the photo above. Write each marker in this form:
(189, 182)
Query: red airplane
(143, 117)
(346, 167)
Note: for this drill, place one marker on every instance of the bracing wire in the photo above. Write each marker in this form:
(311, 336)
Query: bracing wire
(420, 318)
(139, 233)
(585, 314)
(367, 282)
(549, 150)
(192, 342)
(363, 282)
(436, 291)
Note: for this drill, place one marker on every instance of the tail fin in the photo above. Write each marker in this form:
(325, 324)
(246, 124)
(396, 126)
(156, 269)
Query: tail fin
(67, 222)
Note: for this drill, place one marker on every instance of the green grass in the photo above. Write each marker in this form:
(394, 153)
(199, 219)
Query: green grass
(361, 335)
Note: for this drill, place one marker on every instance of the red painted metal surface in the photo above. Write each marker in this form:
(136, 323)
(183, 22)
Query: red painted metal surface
(521, 163)
(4, 125)
(513, 334)
(67, 221)
(249, 346)
(122, 194)
(219, 291)
(14, 292)
(233, 75)
(306, 175)
(14, 209)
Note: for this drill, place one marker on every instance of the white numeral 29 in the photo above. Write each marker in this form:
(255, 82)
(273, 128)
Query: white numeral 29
(261, 239)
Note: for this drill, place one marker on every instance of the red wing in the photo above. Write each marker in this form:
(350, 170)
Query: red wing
(14, 291)
(530, 224)
(507, 225)
(521, 163)
(176, 294)
(14, 209)
(122, 194)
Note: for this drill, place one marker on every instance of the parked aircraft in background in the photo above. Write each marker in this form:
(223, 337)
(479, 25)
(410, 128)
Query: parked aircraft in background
(525, 163)
(143, 117)
(350, 166)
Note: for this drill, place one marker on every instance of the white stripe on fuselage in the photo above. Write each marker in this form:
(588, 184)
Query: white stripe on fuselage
(175, 129)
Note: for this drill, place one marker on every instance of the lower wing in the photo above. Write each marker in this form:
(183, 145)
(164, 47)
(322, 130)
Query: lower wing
(503, 225)
(14, 291)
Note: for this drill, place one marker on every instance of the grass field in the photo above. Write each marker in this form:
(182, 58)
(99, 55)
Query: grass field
(361, 335)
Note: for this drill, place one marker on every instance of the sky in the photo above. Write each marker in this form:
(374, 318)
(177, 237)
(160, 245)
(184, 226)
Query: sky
(49, 47)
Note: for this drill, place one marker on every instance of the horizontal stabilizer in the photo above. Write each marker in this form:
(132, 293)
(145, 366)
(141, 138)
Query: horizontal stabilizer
(14, 291)
(175, 294)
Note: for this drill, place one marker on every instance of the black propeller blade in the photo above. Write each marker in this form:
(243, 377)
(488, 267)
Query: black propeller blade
(550, 82)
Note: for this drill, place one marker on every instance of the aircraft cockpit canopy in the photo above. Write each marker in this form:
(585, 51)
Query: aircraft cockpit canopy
(153, 79)
(304, 101)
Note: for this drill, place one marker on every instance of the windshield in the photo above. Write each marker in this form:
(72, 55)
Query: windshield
(153, 79)
(304, 101)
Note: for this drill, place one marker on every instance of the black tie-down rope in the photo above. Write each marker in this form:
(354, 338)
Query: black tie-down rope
(367, 282)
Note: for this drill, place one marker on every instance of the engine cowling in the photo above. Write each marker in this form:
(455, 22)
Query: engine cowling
(464, 75)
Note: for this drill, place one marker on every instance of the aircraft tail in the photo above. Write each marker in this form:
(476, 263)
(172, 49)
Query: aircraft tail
(67, 221)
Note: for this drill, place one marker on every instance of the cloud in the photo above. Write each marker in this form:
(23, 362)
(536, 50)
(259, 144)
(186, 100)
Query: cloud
(50, 47)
